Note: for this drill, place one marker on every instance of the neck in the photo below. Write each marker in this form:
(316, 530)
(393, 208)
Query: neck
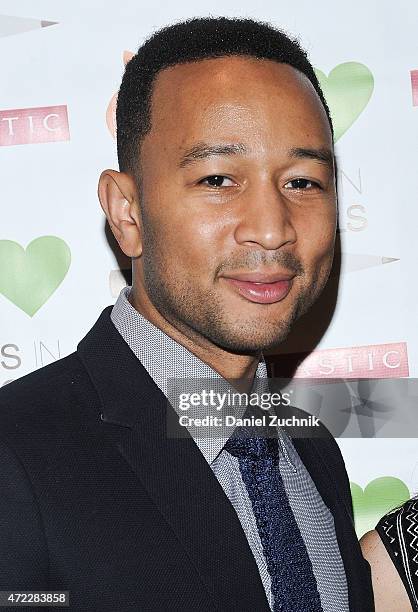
(238, 369)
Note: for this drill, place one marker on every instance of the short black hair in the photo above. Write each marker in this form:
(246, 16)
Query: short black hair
(193, 40)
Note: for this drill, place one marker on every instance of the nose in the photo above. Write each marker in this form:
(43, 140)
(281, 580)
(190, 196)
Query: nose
(266, 218)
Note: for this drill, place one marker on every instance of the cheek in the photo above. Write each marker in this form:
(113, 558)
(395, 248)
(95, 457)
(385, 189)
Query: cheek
(187, 244)
(316, 241)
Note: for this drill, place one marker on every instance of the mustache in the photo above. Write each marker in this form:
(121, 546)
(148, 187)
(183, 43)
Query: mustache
(259, 259)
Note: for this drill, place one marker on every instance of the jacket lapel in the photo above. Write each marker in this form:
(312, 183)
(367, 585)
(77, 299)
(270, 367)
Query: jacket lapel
(311, 451)
(173, 470)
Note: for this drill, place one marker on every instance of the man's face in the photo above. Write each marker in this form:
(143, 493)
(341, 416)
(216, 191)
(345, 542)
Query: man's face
(237, 179)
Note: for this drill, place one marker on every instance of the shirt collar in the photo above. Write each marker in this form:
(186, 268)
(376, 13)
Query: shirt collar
(163, 357)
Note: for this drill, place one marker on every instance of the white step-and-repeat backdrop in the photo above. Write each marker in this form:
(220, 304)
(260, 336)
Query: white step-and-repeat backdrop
(61, 64)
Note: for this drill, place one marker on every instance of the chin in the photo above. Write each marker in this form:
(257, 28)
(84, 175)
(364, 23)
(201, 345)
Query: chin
(253, 339)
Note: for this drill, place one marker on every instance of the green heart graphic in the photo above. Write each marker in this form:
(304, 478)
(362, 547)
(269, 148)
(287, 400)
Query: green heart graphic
(379, 496)
(28, 278)
(347, 90)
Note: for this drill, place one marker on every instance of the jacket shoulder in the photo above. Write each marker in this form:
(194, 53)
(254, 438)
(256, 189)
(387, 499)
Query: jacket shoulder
(39, 398)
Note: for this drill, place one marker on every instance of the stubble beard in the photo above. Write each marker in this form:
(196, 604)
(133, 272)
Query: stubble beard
(194, 314)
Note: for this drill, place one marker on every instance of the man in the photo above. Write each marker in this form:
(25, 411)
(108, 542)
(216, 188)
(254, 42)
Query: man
(226, 203)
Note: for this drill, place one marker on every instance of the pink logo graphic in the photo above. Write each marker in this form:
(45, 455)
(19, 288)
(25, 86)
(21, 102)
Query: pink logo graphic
(111, 109)
(370, 361)
(34, 125)
(414, 87)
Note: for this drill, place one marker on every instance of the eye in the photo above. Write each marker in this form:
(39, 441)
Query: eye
(216, 181)
(302, 183)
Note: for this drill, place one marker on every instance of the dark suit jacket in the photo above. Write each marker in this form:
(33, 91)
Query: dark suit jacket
(97, 500)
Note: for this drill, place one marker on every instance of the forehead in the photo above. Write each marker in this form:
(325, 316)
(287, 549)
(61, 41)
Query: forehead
(236, 94)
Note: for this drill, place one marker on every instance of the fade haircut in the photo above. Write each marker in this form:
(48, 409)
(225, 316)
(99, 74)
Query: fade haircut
(188, 41)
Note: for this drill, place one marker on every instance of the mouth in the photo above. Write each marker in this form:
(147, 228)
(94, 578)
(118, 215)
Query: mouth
(255, 287)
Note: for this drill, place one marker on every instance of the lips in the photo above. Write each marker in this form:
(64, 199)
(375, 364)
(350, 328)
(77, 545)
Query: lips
(261, 288)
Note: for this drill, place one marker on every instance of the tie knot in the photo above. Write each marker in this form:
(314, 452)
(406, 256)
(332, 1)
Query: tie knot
(250, 447)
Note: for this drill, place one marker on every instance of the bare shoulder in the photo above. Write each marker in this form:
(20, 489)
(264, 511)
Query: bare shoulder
(389, 591)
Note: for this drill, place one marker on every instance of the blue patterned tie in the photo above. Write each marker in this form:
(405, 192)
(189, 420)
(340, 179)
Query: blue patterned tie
(293, 584)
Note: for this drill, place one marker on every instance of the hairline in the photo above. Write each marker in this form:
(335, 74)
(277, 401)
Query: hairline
(212, 56)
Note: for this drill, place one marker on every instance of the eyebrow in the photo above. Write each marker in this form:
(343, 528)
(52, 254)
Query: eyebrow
(322, 155)
(202, 150)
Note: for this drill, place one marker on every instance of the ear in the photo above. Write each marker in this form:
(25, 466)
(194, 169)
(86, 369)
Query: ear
(118, 197)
